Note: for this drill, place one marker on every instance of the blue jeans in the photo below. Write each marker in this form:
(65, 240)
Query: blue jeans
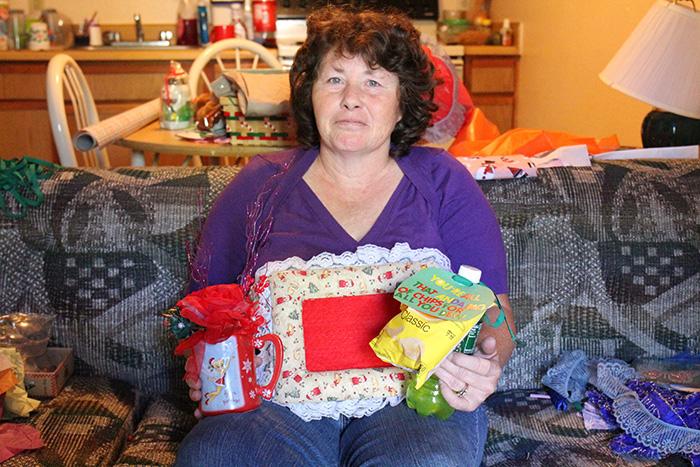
(272, 435)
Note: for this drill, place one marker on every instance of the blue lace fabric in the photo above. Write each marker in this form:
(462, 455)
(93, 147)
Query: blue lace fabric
(568, 379)
(656, 421)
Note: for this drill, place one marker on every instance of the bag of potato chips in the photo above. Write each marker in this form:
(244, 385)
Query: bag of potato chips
(438, 309)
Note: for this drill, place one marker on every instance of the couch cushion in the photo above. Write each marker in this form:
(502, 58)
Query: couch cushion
(527, 431)
(604, 259)
(166, 422)
(86, 424)
(105, 253)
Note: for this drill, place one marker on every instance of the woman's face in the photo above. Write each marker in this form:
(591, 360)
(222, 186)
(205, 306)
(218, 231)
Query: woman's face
(356, 107)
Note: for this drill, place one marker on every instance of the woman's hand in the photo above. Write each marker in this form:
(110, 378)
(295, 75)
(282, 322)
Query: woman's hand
(467, 380)
(193, 382)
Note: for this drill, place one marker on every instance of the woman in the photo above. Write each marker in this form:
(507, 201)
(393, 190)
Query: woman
(361, 96)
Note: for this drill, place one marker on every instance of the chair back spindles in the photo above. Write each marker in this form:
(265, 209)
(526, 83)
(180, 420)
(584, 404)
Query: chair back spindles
(215, 51)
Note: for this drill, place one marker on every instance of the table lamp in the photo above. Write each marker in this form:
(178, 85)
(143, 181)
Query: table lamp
(659, 64)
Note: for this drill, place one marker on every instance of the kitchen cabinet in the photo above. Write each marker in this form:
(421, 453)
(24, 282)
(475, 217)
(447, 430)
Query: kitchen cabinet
(492, 81)
(117, 84)
(490, 73)
(119, 80)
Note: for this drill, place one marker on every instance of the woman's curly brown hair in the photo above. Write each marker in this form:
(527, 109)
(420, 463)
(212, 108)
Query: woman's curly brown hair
(386, 40)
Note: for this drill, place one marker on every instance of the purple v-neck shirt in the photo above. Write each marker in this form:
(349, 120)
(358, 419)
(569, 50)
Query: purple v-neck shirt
(437, 204)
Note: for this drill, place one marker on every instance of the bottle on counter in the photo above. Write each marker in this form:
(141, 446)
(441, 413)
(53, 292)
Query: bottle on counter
(264, 19)
(176, 108)
(16, 30)
(238, 19)
(4, 24)
(50, 17)
(506, 33)
(203, 22)
(221, 28)
(186, 30)
(248, 18)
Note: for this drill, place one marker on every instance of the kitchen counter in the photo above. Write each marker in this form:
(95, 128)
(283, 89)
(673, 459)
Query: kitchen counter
(108, 54)
(481, 50)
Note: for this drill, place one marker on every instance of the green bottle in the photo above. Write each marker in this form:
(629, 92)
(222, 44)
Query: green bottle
(427, 400)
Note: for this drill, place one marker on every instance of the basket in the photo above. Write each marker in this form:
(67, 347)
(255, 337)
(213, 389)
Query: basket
(269, 130)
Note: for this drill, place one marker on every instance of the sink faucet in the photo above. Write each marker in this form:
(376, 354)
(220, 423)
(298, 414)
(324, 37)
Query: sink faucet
(139, 28)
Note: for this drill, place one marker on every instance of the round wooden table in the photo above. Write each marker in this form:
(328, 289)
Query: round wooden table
(153, 138)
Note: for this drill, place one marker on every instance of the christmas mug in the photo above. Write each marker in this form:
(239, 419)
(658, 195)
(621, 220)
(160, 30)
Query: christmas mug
(38, 36)
(228, 374)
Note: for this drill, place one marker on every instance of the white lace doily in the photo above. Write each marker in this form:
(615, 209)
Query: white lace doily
(364, 255)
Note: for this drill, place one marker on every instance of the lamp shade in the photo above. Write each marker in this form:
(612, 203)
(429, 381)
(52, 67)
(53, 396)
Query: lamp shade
(660, 62)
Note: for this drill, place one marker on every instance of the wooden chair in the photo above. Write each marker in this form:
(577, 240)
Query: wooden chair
(215, 52)
(64, 73)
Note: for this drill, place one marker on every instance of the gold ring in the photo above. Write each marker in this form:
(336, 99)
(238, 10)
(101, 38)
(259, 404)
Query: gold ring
(464, 389)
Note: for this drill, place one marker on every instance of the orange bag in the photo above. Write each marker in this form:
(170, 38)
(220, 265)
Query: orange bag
(480, 137)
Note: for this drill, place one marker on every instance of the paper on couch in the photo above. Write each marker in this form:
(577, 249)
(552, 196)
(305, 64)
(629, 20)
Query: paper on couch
(519, 166)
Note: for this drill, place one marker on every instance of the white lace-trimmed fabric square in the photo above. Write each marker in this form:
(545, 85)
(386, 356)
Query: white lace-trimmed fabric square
(325, 311)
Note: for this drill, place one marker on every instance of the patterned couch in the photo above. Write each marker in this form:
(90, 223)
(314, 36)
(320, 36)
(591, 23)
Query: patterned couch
(604, 259)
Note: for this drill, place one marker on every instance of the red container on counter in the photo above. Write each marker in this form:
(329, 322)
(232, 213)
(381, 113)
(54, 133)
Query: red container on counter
(264, 19)
(222, 32)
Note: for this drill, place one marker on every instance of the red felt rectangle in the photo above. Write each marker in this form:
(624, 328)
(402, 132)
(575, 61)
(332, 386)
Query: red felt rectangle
(337, 330)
